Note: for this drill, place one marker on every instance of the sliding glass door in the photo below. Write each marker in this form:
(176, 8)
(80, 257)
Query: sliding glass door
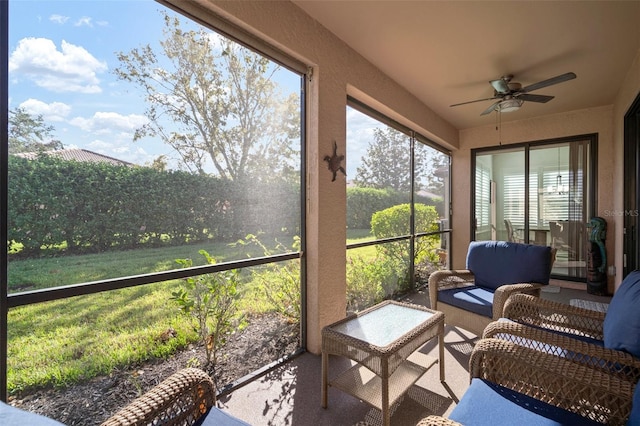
(538, 193)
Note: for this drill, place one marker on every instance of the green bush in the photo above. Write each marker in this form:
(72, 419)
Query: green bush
(395, 221)
(210, 299)
(279, 282)
(364, 288)
(57, 205)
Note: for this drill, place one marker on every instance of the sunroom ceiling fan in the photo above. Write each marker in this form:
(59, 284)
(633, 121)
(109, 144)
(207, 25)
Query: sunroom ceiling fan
(510, 95)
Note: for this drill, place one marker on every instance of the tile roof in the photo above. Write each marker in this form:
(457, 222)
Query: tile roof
(82, 155)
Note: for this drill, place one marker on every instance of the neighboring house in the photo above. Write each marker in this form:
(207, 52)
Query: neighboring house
(82, 155)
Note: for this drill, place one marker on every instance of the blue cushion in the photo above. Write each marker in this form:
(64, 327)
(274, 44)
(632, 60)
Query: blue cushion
(495, 263)
(634, 417)
(621, 326)
(217, 417)
(473, 298)
(10, 415)
(487, 404)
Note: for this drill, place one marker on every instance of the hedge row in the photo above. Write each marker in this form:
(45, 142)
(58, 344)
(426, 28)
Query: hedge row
(363, 203)
(80, 207)
(89, 207)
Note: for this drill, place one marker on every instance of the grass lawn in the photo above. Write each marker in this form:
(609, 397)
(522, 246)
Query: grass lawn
(50, 272)
(67, 341)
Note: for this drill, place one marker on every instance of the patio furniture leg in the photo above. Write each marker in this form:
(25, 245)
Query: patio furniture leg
(386, 412)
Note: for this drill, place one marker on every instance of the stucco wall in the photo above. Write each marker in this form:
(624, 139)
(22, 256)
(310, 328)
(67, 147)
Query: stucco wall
(594, 120)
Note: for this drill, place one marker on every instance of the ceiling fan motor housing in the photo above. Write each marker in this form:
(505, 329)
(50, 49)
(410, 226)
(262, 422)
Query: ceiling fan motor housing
(509, 96)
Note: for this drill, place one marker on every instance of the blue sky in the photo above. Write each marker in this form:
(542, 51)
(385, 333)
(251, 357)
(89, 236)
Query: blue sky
(61, 60)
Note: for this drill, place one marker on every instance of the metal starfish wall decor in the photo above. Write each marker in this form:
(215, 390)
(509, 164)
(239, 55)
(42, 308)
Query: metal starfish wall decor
(334, 162)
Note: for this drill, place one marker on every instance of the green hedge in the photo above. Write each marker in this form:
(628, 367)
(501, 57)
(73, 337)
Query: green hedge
(362, 203)
(57, 205)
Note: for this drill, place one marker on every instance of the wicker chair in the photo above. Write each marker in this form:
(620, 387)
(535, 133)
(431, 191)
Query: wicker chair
(513, 384)
(585, 324)
(616, 329)
(187, 397)
(579, 351)
(474, 297)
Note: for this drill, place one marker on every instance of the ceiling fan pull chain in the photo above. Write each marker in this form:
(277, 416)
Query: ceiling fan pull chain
(499, 126)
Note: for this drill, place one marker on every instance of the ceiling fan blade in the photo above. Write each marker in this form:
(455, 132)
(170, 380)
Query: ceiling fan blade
(534, 98)
(491, 108)
(500, 85)
(548, 82)
(477, 100)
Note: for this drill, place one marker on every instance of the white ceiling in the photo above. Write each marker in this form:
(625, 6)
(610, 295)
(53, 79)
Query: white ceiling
(446, 52)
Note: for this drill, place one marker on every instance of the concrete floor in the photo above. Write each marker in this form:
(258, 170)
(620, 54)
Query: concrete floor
(291, 393)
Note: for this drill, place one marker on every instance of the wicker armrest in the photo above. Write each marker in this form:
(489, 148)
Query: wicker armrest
(557, 316)
(447, 279)
(505, 291)
(609, 361)
(181, 399)
(589, 392)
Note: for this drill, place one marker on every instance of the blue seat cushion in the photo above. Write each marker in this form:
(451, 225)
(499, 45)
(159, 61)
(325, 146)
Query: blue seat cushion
(621, 326)
(473, 298)
(10, 415)
(488, 404)
(634, 417)
(217, 417)
(496, 263)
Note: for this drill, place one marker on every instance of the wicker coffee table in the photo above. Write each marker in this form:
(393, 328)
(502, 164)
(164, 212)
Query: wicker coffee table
(380, 340)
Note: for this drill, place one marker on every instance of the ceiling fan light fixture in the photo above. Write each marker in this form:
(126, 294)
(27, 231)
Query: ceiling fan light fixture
(509, 105)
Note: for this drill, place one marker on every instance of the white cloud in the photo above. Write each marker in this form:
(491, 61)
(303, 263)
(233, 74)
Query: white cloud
(100, 146)
(71, 69)
(55, 111)
(58, 19)
(84, 21)
(121, 150)
(110, 122)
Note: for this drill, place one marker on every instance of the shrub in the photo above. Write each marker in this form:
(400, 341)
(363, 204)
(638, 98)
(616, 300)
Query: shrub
(279, 282)
(210, 299)
(369, 282)
(395, 221)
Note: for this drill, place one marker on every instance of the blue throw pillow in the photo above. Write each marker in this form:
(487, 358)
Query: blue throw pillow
(495, 263)
(622, 321)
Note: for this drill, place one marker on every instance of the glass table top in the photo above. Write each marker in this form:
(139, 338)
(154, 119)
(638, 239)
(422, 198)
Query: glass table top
(382, 326)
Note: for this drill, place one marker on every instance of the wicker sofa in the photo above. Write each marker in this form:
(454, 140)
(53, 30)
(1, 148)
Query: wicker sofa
(513, 384)
(187, 397)
(473, 297)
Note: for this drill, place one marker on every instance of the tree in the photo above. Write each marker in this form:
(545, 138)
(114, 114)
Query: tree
(386, 164)
(28, 133)
(389, 148)
(438, 169)
(214, 106)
